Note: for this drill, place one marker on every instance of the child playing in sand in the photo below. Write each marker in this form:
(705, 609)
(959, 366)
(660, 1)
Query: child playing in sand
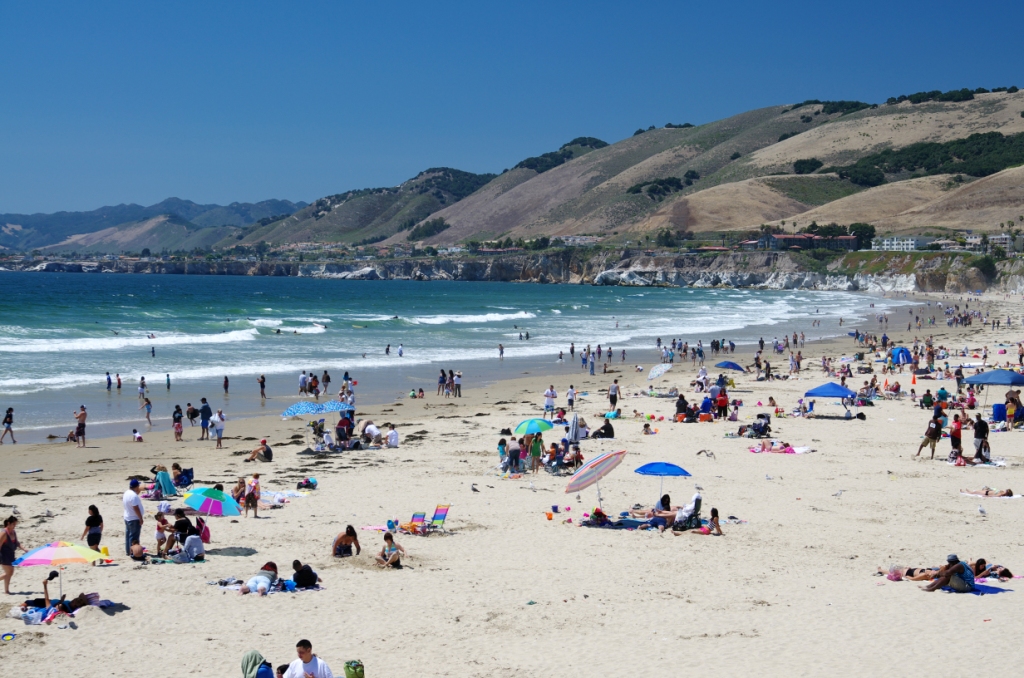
(161, 533)
(648, 431)
(136, 436)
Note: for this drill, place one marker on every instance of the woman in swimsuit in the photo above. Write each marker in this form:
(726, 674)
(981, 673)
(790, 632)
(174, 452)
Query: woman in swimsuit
(93, 531)
(8, 543)
(989, 492)
(389, 555)
(343, 543)
(912, 573)
(981, 568)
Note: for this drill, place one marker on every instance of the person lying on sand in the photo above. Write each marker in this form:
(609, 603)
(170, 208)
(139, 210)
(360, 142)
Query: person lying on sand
(343, 543)
(910, 573)
(389, 555)
(981, 568)
(63, 604)
(262, 581)
(989, 492)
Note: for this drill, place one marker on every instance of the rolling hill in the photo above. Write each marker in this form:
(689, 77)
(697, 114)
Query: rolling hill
(28, 231)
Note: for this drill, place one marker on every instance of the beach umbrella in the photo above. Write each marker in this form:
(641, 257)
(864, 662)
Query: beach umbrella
(574, 429)
(336, 406)
(213, 502)
(658, 370)
(304, 407)
(830, 390)
(997, 378)
(531, 426)
(592, 472)
(59, 553)
(661, 469)
(729, 365)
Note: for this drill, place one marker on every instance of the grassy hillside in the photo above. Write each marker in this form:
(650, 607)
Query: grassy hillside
(158, 234)
(369, 215)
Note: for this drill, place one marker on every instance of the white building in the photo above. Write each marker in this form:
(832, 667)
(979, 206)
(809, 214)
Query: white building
(903, 243)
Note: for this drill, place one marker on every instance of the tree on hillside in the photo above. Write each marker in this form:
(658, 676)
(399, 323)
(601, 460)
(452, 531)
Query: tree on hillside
(807, 165)
(865, 234)
(146, 252)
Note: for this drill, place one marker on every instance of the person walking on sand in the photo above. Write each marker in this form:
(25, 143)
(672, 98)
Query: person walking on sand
(613, 393)
(109, 381)
(205, 414)
(262, 381)
(549, 401)
(80, 416)
(176, 422)
(8, 423)
(8, 543)
(148, 406)
(501, 352)
(931, 435)
(225, 384)
(133, 515)
(218, 426)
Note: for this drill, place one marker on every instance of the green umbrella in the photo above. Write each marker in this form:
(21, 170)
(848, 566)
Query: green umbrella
(531, 426)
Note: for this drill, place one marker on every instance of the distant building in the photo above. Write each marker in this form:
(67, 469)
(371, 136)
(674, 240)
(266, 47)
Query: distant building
(806, 241)
(903, 243)
(749, 245)
(579, 240)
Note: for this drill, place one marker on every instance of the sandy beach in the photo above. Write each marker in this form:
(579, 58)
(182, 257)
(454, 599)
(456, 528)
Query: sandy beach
(506, 592)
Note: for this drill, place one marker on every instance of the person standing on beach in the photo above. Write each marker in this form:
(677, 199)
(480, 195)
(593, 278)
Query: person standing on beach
(931, 435)
(176, 422)
(571, 395)
(80, 417)
(262, 381)
(501, 352)
(623, 355)
(613, 393)
(133, 515)
(591, 362)
(458, 384)
(8, 423)
(225, 384)
(118, 377)
(549, 400)
(572, 351)
(205, 414)
(218, 426)
(302, 383)
(108, 381)
(142, 388)
(168, 382)
(326, 382)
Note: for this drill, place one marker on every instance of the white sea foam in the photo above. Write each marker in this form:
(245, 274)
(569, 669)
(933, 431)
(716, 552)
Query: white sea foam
(121, 341)
(484, 318)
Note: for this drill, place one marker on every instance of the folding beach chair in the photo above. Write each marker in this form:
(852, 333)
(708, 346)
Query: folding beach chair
(440, 514)
(185, 479)
(416, 525)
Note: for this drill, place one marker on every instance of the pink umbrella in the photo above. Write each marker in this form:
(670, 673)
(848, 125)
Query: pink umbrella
(592, 472)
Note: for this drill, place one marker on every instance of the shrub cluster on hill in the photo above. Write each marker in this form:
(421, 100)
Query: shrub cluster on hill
(783, 137)
(428, 228)
(266, 221)
(830, 107)
(453, 182)
(807, 165)
(657, 189)
(979, 155)
(547, 161)
(863, 232)
(964, 94)
(369, 241)
(685, 125)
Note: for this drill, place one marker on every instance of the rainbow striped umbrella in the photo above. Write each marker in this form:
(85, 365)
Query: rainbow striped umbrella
(213, 502)
(532, 426)
(59, 553)
(592, 472)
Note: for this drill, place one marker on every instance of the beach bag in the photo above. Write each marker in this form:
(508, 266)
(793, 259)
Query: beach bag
(354, 669)
(960, 461)
(203, 529)
(164, 507)
(34, 616)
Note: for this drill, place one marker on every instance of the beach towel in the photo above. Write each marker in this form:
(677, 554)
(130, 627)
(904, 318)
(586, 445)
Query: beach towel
(995, 463)
(163, 479)
(978, 496)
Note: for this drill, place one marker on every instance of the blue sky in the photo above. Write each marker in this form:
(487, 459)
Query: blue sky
(103, 103)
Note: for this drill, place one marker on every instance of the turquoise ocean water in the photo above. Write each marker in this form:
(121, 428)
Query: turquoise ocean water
(60, 334)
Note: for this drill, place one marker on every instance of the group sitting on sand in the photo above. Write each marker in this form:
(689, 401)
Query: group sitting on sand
(956, 574)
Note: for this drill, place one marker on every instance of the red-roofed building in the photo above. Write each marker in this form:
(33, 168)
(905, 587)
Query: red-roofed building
(806, 241)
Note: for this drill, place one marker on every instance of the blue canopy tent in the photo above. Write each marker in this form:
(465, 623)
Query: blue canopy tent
(661, 469)
(901, 356)
(997, 378)
(729, 365)
(830, 390)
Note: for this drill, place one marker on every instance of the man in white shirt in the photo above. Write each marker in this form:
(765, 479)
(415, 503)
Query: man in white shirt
(392, 436)
(132, 515)
(302, 383)
(308, 665)
(549, 400)
(458, 385)
(571, 395)
(373, 433)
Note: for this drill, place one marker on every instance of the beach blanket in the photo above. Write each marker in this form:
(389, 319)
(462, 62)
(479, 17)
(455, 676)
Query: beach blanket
(788, 450)
(978, 496)
(980, 590)
(995, 463)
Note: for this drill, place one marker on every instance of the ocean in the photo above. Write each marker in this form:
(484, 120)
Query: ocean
(61, 333)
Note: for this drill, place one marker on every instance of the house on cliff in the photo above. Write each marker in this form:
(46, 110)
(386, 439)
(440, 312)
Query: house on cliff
(806, 241)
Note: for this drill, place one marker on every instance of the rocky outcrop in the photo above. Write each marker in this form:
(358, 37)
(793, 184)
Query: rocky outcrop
(763, 270)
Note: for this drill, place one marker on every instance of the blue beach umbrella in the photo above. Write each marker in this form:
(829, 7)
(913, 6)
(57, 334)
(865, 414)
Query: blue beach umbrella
(729, 365)
(532, 426)
(304, 407)
(336, 406)
(661, 469)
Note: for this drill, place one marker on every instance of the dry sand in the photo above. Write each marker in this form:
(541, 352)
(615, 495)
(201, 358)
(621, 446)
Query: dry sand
(790, 591)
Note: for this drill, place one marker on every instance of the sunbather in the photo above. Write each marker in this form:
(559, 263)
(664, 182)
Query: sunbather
(911, 573)
(389, 555)
(981, 568)
(262, 581)
(64, 605)
(989, 492)
(343, 543)
(712, 527)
